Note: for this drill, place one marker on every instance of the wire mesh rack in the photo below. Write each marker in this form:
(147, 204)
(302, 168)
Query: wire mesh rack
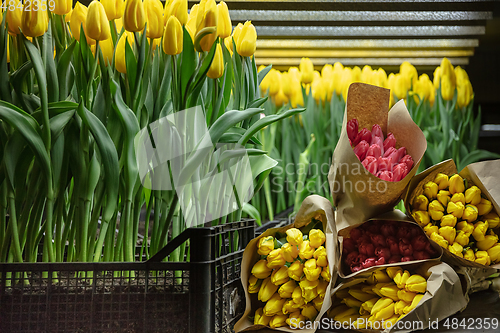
(202, 295)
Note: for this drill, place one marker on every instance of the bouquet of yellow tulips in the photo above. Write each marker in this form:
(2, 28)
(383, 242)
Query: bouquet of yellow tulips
(387, 298)
(459, 211)
(287, 272)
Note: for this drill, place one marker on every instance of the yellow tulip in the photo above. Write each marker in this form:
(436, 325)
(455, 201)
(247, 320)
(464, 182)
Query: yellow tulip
(311, 270)
(462, 238)
(179, 9)
(406, 296)
(431, 229)
(456, 184)
(14, 17)
(456, 209)
(280, 276)
(294, 236)
(274, 305)
(447, 69)
(114, 8)
(492, 218)
(107, 49)
(316, 238)
(448, 233)
(265, 245)
(216, 69)
(390, 291)
(172, 37)
(306, 70)
(309, 311)
(290, 306)
(97, 25)
(473, 195)
(494, 252)
(340, 316)
(306, 251)
(260, 269)
(34, 23)
(62, 7)
(448, 221)
(367, 306)
(254, 284)
(420, 202)
(413, 304)
(297, 296)
(393, 271)
(437, 77)
(484, 207)
(260, 318)
(272, 81)
(289, 251)
(78, 19)
(466, 227)
(286, 289)
(247, 40)
(400, 305)
(278, 320)
(381, 276)
(275, 259)
(154, 13)
(134, 16)
(237, 32)
(400, 279)
(480, 229)
(470, 213)
(325, 273)
(383, 309)
(464, 93)
(436, 210)
(443, 197)
(458, 197)
(351, 302)
(295, 270)
(456, 249)
(488, 242)
(421, 217)
(296, 319)
(120, 63)
(309, 289)
(431, 190)
(224, 25)
(376, 288)
(321, 288)
(470, 255)
(320, 256)
(409, 73)
(228, 43)
(447, 89)
(318, 302)
(483, 258)
(191, 22)
(267, 290)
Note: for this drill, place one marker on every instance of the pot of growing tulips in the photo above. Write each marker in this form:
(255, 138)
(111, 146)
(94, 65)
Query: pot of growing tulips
(82, 83)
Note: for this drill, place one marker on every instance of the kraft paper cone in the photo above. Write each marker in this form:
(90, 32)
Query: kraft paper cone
(315, 207)
(482, 174)
(443, 298)
(357, 194)
(395, 215)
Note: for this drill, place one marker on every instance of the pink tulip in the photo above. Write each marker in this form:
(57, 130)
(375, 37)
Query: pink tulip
(370, 262)
(364, 134)
(361, 149)
(389, 142)
(352, 129)
(386, 175)
(408, 161)
(380, 261)
(379, 142)
(375, 151)
(400, 171)
(377, 131)
(371, 164)
(400, 154)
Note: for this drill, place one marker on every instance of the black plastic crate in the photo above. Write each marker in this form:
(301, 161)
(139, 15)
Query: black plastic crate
(276, 223)
(202, 295)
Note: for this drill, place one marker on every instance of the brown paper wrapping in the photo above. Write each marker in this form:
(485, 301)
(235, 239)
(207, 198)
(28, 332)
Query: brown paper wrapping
(395, 215)
(369, 105)
(482, 174)
(443, 298)
(313, 206)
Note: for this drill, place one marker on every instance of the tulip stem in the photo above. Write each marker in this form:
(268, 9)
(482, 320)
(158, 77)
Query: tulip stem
(92, 74)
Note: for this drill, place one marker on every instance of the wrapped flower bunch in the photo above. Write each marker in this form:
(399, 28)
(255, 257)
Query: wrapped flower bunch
(378, 154)
(377, 243)
(380, 301)
(456, 215)
(291, 277)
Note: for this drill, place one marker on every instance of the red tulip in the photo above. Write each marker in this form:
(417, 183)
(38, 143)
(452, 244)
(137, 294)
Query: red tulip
(356, 234)
(419, 243)
(373, 227)
(430, 249)
(367, 249)
(388, 229)
(415, 230)
(375, 151)
(395, 259)
(404, 231)
(401, 152)
(405, 248)
(383, 252)
(389, 142)
(378, 240)
(393, 245)
(421, 255)
(369, 262)
(371, 164)
(364, 134)
(407, 258)
(377, 131)
(365, 238)
(380, 142)
(386, 175)
(351, 258)
(352, 129)
(356, 268)
(384, 164)
(408, 161)
(349, 245)
(380, 261)
(361, 149)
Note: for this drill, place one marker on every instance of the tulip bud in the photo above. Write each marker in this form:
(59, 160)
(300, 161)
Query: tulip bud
(260, 269)
(265, 245)
(456, 209)
(470, 255)
(216, 70)
(467, 228)
(296, 320)
(492, 219)
(456, 184)
(114, 8)
(309, 289)
(97, 25)
(295, 270)
(155, 24)
(393, 271)
(406, 295)
(306, 70)
(254, 284)
(34, 23)
(488, 242)
(359, 294)
(351, 302)
(458, 197)
(413, 304)
(320, 256)
(280, 276)
(483, 258)
(473, 195)
(297, 296)
(306, 251)
(247, 40)
(310, 312)
(267, 290)
(391, 291)
(436, 210)
(400, 278)
(61, 7)
(420, 203)
(325, 273)
(494, 253)
(260, 318)
(120, 62)
(431, 190)
(443, 197)
(448, 221)
(456, 249)
(224, 25)
(278, 320)
(289, 252)
(480, 229)
(286, 290)
(381, 276)
(447, 88)
(421, 217)
(290, 306)
(275, 259)
(400, 306)
(179, 9)
(13, 16)
(134, 16)
(470, 213)
(442, 181)
(462, 238)
(274, 305)
(367, 306)
(431, 229)
(294, 236)
(173, 37)
(316, 238)
(383, 309)
(484, 207)
(318, 302)
(448, 233)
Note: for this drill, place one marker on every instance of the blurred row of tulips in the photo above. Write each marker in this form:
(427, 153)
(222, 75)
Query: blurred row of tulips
(303, 146)
(78, 84)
